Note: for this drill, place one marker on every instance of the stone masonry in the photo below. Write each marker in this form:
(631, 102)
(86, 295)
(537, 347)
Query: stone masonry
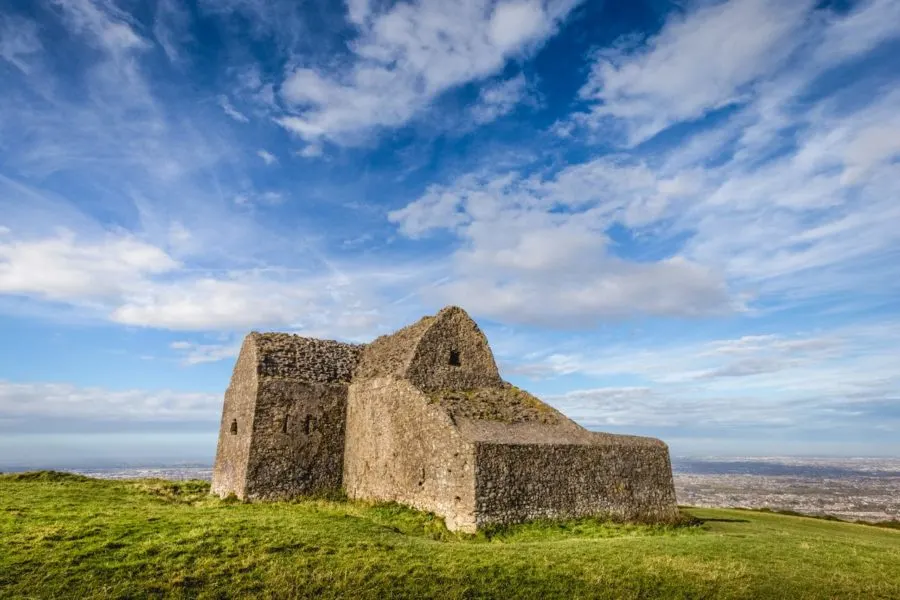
(422, 417)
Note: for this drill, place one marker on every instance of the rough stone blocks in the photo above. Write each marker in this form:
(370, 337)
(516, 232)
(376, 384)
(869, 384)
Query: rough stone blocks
(422, 417)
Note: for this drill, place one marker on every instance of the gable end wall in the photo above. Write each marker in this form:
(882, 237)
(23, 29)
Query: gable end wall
(233, 450)
(401, 449)
(298, 439)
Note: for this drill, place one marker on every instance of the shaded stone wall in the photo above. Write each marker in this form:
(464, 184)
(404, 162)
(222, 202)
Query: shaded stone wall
(453, 354)
(305, 359)
(298, 444)
(236, 427)
(287, 405)
(391, 354)
(400, 448)
(627, 479)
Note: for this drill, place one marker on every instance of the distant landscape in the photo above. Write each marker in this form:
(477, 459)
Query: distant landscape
(865, 489)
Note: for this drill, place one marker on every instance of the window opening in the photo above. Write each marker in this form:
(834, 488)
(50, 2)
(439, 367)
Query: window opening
(234, 427)
(454, 358)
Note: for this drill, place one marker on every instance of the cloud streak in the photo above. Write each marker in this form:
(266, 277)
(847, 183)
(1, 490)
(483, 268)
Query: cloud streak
(406, 55)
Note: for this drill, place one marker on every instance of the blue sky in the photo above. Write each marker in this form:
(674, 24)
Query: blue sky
(678, 219)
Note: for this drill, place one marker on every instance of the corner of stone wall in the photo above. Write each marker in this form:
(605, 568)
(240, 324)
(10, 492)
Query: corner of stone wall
(236, 425)
(400, 448)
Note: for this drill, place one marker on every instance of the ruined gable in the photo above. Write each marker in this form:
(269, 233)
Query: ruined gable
(445, 351)
(453, 353)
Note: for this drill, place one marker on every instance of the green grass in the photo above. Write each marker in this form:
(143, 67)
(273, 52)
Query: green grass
(65, 536)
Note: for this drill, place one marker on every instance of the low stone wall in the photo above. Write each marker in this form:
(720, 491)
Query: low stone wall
(518, 482)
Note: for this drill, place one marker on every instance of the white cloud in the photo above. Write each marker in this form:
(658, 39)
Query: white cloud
(244, 301)
(515, 23)
(728, 229)
(803, 380)
(869, 24)
(74, 403)
(195, 354)
(62, 267)
(519, 260)
(124, 280)
(231, 111)
(499, 99)
(103, 24)
(870, 148)
(698, 62)
(724, 53)
(268, 157)
(311, 151)
(405, 56)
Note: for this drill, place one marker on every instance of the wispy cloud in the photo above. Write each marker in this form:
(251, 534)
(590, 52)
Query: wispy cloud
(171, 29)
(499, 99)
(644, 87)
(131, 282)
(267, 157)
(194, 354)
(231, 111)
(19, 42)
(31, 401)
(754, 231)
(525, 260)
(406, 55)
(803, 381)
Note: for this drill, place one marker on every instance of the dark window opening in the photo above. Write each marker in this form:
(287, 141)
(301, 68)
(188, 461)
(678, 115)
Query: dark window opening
(307, 425)
(454, 358)
(234, 427)
(284, 424)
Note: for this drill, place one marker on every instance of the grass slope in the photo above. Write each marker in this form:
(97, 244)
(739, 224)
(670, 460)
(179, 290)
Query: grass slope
(66, 536)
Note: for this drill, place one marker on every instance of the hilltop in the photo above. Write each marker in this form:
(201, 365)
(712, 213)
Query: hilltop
(68, 536)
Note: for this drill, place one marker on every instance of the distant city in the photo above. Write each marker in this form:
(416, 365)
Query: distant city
(848, 488)
(865, 489)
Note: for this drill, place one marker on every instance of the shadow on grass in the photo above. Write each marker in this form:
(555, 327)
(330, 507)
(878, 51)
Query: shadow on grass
(724, 521)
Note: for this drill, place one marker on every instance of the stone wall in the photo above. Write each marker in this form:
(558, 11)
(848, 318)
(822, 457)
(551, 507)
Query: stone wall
(422, 417)
(236, 427)
(453, 354)
(390, 355)
(400, 448)
(305, 359)
(287, 406)
(628, 479)
(298, 444)
(445, 351)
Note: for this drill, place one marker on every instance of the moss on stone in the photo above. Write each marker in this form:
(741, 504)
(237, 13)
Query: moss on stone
(506, 403)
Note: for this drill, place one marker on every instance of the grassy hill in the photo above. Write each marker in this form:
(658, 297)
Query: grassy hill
(66, 536)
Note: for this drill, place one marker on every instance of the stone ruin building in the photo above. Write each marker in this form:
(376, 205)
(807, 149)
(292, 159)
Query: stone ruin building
(422, 417)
